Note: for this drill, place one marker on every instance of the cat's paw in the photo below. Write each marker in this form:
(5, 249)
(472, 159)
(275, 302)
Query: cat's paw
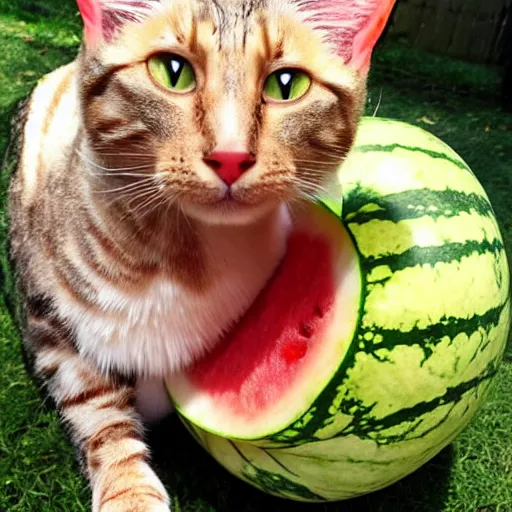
(130, 488)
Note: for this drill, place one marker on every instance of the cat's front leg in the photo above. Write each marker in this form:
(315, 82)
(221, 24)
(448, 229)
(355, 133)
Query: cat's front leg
(103, 423)
(121, 477)
(129, 487)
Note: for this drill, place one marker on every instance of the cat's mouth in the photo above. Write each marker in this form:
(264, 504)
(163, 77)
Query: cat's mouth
(229, 200)
(228, 209)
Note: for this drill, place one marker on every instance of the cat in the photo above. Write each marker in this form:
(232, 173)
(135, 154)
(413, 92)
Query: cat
(155, 190)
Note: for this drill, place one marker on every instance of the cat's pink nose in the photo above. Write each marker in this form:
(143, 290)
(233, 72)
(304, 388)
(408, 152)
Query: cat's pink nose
(229, 165)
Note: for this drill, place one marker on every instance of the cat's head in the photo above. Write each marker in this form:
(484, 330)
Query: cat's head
(223, 108)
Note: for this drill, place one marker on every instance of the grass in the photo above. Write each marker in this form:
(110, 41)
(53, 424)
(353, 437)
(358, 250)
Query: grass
(456, 101)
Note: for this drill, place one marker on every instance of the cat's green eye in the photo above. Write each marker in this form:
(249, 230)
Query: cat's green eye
(172, 71)
(287, 84)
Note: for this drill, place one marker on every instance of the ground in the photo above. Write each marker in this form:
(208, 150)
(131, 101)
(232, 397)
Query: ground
(457, 102)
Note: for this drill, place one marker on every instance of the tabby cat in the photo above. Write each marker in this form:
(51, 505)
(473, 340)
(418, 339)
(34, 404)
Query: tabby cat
(153, 198)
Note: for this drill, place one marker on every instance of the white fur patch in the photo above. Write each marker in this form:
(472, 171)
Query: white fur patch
(229, 129)
(60, 133)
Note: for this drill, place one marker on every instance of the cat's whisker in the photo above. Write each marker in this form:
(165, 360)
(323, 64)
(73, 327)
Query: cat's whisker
(118, 175)
(315, 186)
(378, 104)
(185, 216)
(141, 159)
(149, 196)
(311, 190)
(126, 171)
(152, 206)
(310, 172)
(136, 185)
(332, 149)
(125, 153)
(88, 161)
(170, 201)
(113, 170)
(316, 179)
(333, 153)
(166, 199)
(142, 195)
(306, 195)
(314, 162)
(134, 146)
(332, 145)
(311, 175)
(132, 196)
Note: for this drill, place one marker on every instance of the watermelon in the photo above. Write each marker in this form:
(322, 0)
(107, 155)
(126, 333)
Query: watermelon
(375, 342)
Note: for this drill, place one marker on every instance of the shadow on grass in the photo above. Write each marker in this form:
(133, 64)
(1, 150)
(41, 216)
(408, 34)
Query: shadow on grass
(201, 484)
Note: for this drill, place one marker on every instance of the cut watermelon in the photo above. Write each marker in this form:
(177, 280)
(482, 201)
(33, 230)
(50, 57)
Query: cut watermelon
(374, 344)
(270, 368)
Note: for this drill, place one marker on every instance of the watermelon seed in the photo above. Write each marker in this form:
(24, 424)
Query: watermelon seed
(319, 312)
(306, 330)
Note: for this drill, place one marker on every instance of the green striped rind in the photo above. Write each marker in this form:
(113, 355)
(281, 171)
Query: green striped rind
(434, 321)
(345, 466)
(379, 134)
(461, 246)
(365, 205)
(389, 148)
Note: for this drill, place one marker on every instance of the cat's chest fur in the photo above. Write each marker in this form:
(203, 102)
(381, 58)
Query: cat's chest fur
(165, 326)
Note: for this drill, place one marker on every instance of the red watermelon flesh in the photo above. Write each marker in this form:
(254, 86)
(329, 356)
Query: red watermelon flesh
(271, 366)
(268, 349)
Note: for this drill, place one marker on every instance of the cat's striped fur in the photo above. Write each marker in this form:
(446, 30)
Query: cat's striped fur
(127, 267)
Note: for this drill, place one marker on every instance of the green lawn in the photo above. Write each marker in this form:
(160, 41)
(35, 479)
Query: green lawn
(457, 102)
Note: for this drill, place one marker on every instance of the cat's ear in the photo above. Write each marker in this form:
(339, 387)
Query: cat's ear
(103, 18)
(352, 26)
(92, 17)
